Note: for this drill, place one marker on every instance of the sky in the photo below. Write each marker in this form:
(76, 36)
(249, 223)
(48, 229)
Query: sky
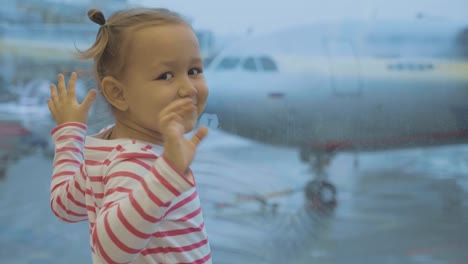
(238, 16)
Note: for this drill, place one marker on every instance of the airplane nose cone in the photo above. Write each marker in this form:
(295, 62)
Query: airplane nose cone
(212, 104)
(209, 118)
(216, 92)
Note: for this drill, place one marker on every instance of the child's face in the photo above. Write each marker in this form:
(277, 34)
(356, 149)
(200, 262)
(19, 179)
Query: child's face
(164, 65)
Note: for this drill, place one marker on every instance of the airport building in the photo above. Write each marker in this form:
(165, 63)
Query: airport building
(38, 39)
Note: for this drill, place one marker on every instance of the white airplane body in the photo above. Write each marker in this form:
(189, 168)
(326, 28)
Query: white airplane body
(346, 87)
(369, 98)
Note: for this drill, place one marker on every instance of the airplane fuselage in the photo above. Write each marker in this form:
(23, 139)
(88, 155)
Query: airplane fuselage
(350, 88)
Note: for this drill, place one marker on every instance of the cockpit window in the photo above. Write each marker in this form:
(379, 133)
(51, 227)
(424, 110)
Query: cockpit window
(249, 64)
(228, 63)
(268, 64)
(252, 64)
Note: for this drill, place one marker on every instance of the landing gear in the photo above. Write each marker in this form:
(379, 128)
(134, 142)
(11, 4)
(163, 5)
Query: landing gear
(3, 166)
(319, 193)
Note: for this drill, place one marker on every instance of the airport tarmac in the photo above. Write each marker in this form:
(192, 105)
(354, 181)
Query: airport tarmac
(399, 207)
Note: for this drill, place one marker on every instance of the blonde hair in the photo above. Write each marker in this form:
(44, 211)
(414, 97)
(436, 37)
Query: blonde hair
(114, 35)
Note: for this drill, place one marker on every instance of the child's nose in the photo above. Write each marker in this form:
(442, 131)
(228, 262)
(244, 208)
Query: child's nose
(187, 88)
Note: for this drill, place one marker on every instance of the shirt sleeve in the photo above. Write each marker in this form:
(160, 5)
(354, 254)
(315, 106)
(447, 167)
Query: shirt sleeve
(138, 188)
(67, 191)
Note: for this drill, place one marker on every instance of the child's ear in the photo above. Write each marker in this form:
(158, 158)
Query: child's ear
(114, 93)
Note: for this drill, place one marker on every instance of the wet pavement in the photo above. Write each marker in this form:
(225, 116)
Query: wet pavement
(394, 207)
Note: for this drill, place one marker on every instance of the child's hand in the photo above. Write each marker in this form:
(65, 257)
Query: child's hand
(178, 150)
(63, 105)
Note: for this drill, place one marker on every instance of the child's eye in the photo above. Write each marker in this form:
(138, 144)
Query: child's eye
(165, 76)
(194, 71)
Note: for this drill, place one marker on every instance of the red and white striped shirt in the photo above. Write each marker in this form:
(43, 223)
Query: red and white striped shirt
(139, 208)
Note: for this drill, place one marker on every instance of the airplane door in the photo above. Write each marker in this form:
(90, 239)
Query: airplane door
(344, 68)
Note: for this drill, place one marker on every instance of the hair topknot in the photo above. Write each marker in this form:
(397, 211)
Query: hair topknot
(115, 36)
(97, 16)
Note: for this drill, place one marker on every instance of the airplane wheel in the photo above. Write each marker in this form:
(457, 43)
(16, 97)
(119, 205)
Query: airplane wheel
(320, 194)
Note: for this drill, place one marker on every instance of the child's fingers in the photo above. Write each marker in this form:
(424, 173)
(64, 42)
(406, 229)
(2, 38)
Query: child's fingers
(199, 135)
(168, 123)
(61, 86)
(179, 115)
(71, 86)
(176, 116)
(176, 105)
(185, 109)
(165, 120)
(51, 106)
(89, 99)
(53, 93)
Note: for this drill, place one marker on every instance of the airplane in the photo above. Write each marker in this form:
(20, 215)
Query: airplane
(349, 86)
